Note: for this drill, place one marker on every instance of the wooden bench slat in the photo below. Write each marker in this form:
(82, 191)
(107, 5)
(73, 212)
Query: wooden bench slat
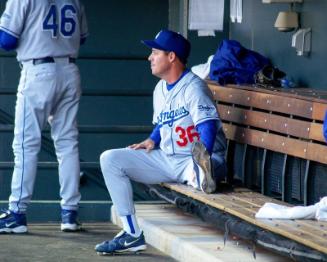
(254, 199)
(266, 140)
(317, 153)
(314, 228)
(316, 132)
(291, 231)
(269, 102)
(300, 93)
(226, 201)
(315, 224)
(277, 123)
(314, 237)
(252, 207)
(318, 97)
(258, 200)
(277, 143)
(315, 233)
(319, 111)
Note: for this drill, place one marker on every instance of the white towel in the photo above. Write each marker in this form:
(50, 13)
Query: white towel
(317, 211)
(321, 213)
(206, 16)
(233, 11)
(202, 70)
(236, 11)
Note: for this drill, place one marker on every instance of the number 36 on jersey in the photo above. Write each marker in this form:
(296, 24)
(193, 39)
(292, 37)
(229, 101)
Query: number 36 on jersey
(186, 135)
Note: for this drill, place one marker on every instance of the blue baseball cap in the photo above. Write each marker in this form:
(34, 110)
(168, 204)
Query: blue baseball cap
(171, 41)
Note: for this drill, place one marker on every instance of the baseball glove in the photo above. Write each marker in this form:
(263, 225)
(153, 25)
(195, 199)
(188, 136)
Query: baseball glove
(268, 77)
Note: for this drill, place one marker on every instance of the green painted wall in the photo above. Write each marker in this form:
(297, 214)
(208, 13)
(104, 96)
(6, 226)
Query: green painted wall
(257, 32)
(203, 47)
(113, 59)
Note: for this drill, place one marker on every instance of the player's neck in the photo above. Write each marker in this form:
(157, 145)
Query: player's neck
(174, 75)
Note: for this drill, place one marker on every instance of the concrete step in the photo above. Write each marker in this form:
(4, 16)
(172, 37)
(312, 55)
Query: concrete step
(187, 238)
(46, 185)
(44, 211)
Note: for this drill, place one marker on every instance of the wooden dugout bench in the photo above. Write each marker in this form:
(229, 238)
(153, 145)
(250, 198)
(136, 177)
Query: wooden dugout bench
(276, 153)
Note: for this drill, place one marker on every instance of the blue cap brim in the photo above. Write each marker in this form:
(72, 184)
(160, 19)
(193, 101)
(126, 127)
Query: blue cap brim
(153, 44)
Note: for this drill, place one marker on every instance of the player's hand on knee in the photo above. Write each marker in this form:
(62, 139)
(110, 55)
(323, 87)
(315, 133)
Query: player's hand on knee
(147, 144)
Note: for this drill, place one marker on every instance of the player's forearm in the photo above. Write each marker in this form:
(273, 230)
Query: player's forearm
(208, 131)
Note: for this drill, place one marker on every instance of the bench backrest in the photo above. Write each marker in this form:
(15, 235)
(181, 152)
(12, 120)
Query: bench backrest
(281, 122)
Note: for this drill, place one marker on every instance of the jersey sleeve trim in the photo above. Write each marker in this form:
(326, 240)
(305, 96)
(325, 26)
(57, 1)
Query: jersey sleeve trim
(205, 119)
(9, 32)
(7, 41)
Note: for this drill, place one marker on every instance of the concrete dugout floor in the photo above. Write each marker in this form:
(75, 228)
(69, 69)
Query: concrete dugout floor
(45, 242)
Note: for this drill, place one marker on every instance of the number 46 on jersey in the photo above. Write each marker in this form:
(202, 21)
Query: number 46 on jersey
(61, 20)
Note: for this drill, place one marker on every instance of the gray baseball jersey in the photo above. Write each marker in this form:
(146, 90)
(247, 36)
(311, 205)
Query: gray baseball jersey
(179, 110)
(45, 28)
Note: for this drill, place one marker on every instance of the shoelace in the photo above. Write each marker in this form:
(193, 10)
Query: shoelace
(122, 232)
(118, 235)
(4, 213)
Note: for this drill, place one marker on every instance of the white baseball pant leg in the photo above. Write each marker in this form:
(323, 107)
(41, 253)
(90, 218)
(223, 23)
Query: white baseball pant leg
(119, 166)
(64, 133)
(39, 93)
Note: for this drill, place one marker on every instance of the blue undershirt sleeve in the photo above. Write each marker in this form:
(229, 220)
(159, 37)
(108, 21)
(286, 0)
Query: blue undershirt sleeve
(7, 41)
(155, 135)
(208, 131)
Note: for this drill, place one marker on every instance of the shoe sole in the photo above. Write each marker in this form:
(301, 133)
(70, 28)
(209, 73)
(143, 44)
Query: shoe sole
(202, 158)
(15, 230)
(131, 249)
(70, 227)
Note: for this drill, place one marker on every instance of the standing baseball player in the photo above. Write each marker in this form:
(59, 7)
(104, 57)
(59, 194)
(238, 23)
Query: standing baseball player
(46, 35)
(187, 144)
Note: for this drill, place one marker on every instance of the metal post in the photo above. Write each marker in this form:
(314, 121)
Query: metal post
(283, 189)
(243, 163)
(263, 164)
(306, 178)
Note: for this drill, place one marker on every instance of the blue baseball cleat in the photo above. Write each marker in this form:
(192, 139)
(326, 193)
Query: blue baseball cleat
(122, 242)
(11, 222)
(69, 222)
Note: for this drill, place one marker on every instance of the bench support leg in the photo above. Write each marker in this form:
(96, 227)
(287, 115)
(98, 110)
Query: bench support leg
(306, 178)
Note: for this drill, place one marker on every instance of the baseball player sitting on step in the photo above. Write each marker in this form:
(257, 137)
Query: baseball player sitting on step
(46, 36)
(187, 144)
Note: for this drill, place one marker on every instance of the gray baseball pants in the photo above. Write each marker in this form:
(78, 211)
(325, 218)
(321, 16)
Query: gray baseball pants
(51, 89)
(120, 166)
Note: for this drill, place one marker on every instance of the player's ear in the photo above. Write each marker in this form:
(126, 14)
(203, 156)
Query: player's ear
(172, 56)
